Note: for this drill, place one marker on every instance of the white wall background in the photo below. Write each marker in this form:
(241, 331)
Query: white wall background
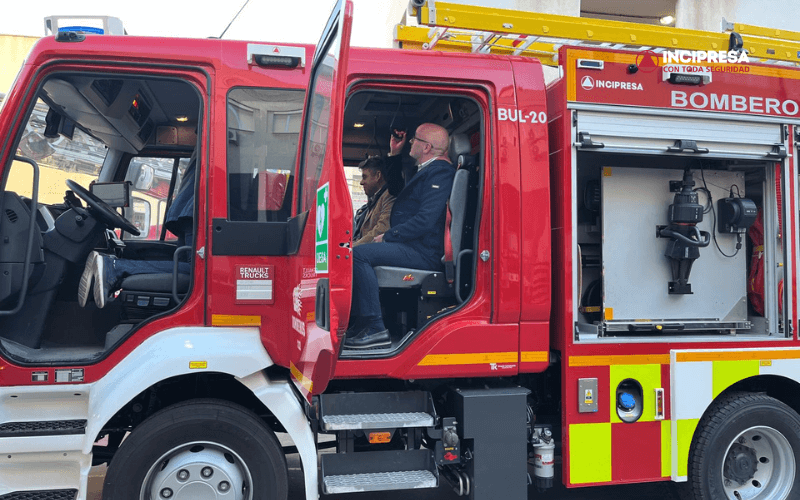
(707, 14)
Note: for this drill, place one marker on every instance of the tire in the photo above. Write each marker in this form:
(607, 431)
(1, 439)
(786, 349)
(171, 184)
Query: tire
(203, 449)
(748, 445)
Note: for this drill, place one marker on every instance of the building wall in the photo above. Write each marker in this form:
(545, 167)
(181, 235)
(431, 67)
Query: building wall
(13, 50)
(707, 14)
(561, 7)
(374, 22)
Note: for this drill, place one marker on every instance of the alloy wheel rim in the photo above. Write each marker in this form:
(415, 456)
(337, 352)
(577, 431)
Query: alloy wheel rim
(758, 464)
(200, 470)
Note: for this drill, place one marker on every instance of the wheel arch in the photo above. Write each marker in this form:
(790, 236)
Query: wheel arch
(188, 387)
(780, 387)
(234, 359)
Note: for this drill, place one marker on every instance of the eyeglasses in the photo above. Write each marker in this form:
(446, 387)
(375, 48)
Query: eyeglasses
(415, 139)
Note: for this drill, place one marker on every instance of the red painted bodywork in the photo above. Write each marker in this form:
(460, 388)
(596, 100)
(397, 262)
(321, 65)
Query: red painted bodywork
(522, 300)
(490, 320)
(761, 81)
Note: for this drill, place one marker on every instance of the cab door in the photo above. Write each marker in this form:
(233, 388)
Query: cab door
(323, 293)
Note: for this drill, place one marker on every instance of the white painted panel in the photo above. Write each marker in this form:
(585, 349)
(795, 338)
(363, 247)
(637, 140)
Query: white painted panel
(52, 471)
(691, 389)
(784, 367)
(44, 402)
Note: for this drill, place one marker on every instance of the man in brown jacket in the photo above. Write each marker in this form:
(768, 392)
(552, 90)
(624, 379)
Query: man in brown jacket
(372, 219)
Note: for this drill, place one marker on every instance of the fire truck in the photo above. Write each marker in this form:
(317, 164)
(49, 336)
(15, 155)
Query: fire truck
(621, 295)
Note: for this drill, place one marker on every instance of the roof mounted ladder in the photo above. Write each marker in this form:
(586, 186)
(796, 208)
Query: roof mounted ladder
(452, 27)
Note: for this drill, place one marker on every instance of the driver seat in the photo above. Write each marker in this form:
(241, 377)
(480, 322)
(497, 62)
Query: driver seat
(143, 295)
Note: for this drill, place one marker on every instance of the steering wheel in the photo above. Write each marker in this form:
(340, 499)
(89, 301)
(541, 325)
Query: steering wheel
(102, 210)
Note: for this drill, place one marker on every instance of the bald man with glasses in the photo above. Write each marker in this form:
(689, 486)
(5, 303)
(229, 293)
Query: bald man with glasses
(415, 238)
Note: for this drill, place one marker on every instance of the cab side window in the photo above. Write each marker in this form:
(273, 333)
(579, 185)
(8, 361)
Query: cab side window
(263, 129)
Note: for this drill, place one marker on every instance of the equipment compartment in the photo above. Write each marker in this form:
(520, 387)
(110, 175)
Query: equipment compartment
(637, 274)
(663, 246)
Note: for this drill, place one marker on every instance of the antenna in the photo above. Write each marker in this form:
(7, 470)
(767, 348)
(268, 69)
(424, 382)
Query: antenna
(234, 18)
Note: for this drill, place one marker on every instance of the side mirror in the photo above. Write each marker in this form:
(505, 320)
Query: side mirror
(144, 178)
(35, 146)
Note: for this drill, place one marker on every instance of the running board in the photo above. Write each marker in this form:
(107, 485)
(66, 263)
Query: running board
(41, 495)
(376, 421)
(376, 410)
(378, 471)
(45, 428)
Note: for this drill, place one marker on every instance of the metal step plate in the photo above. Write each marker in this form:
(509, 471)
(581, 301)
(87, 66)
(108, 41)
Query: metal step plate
(41, 495)
(380, 481)
(45, 428)
(376, 421)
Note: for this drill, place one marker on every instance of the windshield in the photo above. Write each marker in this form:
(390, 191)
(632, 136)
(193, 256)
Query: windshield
(79, 158)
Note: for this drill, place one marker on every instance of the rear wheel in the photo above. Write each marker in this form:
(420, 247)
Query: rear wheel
(200, 450)
(746, 448)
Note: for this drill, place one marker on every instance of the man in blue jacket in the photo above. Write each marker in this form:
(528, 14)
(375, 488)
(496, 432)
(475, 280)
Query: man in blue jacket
(415, 238)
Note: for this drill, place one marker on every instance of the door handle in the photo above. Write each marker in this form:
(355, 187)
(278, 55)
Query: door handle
(322, 304)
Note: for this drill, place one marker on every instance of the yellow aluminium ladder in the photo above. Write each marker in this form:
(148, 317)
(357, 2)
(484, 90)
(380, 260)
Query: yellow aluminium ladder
(466, 28)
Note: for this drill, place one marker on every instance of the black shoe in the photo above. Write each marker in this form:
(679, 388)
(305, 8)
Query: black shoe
(366, 340)
(354, 330)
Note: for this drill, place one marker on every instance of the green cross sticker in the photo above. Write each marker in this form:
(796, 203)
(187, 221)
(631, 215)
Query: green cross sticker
(321, 233)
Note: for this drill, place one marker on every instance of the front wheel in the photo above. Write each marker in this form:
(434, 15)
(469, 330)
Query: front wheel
(746, 448)
(199, 450)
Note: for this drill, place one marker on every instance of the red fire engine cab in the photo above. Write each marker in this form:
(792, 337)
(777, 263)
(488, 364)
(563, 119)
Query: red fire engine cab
(623, 286)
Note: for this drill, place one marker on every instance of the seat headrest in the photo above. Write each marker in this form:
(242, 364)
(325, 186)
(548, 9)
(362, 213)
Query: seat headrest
(459, 145)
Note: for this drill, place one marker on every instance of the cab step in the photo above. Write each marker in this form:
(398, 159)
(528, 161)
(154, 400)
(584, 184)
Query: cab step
(378, 471)
(42, 428)
(376, 421)
(376, 410)
(41, 495)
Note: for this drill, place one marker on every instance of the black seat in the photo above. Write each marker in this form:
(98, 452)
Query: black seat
(435, 288)
(143, 295)
(161, 282)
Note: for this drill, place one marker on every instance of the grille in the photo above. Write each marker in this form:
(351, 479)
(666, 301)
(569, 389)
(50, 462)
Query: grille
(12, 215)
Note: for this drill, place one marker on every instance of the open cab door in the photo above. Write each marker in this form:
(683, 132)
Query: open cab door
(324, 195)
